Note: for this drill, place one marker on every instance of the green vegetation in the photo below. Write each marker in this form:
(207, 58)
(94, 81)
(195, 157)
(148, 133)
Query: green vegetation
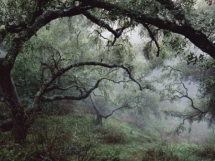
(77, 137)
(93, 80)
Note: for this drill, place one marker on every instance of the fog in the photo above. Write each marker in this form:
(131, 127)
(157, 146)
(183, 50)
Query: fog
(197, 132)
(107, 80)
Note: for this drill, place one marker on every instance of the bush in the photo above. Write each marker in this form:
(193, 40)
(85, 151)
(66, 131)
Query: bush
(62, 138)
(207, 152)
(159, 154)
(113, 134)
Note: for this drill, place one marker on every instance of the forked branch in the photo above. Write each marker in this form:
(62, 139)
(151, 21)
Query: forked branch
(117, 33)
(85, 93)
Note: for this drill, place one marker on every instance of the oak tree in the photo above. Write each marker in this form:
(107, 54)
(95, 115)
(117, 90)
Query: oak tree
(20, 20)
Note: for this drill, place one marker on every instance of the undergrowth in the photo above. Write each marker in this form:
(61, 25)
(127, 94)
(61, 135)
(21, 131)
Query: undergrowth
(76, 137)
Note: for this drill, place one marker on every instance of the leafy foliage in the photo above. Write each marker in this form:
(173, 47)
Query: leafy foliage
(42, 60)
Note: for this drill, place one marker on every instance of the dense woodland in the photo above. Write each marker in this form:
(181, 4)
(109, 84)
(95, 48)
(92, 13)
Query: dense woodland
(107, 80)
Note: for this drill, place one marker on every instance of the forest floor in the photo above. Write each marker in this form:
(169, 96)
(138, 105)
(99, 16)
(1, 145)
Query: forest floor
(76, 137)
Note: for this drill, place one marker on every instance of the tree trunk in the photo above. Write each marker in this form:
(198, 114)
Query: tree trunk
(19, 117)
(96, 108)
(99, 119)
(20, 127)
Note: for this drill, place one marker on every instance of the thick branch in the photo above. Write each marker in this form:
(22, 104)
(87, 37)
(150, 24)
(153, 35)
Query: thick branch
(48, 16)
(128, 70)
(82, 96)
(64, 70)
(101, 23)
(198, 38)
(63, 97)
(33, 14)
(117, 33)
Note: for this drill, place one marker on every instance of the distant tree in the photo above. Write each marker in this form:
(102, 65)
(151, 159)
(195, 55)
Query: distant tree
(184, 75)
(100, 115)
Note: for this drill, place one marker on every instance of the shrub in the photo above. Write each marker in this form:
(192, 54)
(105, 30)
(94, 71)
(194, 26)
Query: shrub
(207, 151)
(159, 155)
(114, 135)
(60, 137)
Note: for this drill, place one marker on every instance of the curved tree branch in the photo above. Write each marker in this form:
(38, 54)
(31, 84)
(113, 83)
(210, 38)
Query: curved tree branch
(117, 33)
(62, 71)
(197, 37)
(48, 16)
(197, 114)
(190, 99)
(101, 23)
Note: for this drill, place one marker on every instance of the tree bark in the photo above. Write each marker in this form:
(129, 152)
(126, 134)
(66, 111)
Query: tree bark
(99, 119)
(19, 117)
(98, 114)
(20, 127)
(7, 125)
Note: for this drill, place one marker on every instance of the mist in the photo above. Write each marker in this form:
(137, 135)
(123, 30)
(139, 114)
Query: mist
(107, 81)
